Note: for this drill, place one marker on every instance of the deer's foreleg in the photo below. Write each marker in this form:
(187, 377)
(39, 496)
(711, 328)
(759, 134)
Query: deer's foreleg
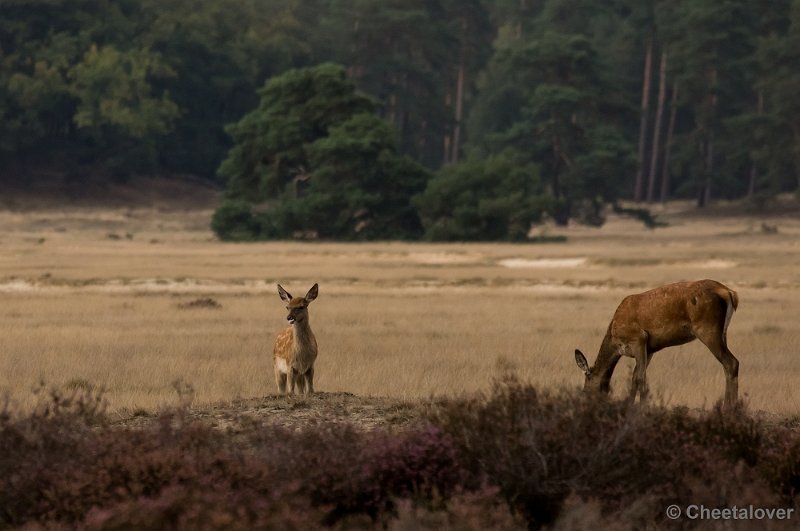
(639, 379)
(280, 380)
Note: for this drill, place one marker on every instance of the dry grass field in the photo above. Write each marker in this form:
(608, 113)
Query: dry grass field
(99, 297)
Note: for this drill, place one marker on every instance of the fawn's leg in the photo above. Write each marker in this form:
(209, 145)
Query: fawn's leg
(280, 381)
(310, 382)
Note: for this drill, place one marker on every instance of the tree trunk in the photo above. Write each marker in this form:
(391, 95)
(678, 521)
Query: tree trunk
(796, 131)
(518, 29)
(401, 111)
(709, 169)
(668, 147)
(648, 67)
(662, 87)
(352, 69)
(556, 167)
(561, 212)
(462, 59)
(707, 149)
(447, 138)
(422, 135)
(391, 107)
(751, 185)
(705, 193)
(391, 101)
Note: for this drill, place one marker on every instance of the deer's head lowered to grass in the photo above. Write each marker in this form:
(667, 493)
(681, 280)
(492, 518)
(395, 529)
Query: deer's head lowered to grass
(663, 317)
(296, 347)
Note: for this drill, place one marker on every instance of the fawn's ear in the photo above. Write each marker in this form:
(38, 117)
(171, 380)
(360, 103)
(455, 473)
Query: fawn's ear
(285, 295)
(580, 359)
(312, 293)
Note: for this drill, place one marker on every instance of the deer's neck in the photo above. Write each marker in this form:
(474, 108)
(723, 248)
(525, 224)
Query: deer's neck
(302, 334)
(606, 362)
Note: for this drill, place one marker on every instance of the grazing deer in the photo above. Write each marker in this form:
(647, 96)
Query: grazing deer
(664, 317)
(296, 347)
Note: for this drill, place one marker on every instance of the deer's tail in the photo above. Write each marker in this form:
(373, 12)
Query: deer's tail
(731, 299)
(734, 299)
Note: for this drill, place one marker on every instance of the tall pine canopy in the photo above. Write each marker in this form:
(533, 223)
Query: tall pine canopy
(585, 103)
(313, 159)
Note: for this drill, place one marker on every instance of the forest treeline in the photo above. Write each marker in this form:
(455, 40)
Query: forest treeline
(441, 119)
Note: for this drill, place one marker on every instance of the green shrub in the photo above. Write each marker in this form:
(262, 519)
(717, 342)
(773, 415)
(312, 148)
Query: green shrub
(493, 199)
(234, 221)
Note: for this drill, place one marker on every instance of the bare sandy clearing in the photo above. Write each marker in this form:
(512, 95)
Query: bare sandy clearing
(445, 258)
(541, 263)
(706, 264)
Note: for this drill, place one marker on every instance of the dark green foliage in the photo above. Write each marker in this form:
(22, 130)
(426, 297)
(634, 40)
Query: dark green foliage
(496, 198)
(94, 83)
(557, 111)
(361, 187)
(221, 53)
(65, 99)
(776, 146)
(143, 86)
(234, 221)
(406, 53)
(325, 165)
(296, 109)
(642, 214)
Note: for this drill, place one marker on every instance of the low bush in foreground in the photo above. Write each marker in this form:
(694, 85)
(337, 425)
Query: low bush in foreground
(515, 458)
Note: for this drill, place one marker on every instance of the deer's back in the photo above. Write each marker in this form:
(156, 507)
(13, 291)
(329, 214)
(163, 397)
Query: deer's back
(665, 314)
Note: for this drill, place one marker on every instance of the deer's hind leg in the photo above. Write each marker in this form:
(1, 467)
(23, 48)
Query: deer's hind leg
(713, 335)
(715, 341)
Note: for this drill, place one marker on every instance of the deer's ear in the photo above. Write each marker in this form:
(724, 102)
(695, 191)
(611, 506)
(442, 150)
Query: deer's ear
(312, 293)
(580, 359)
(285, 295)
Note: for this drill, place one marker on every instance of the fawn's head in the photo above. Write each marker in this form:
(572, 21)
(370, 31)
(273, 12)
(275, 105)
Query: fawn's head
(298, 306)
(596, 380)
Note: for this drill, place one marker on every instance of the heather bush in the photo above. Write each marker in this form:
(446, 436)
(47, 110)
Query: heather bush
(779, 463)
(542, 448)
(61, 466)
(511, 459)
(209, 507)
(353, 472)
(480, 510)
(32, 449)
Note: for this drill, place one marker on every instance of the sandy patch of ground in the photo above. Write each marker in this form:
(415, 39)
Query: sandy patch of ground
(443, 258)
(541, 263)
(364, 412)
(706, 264)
